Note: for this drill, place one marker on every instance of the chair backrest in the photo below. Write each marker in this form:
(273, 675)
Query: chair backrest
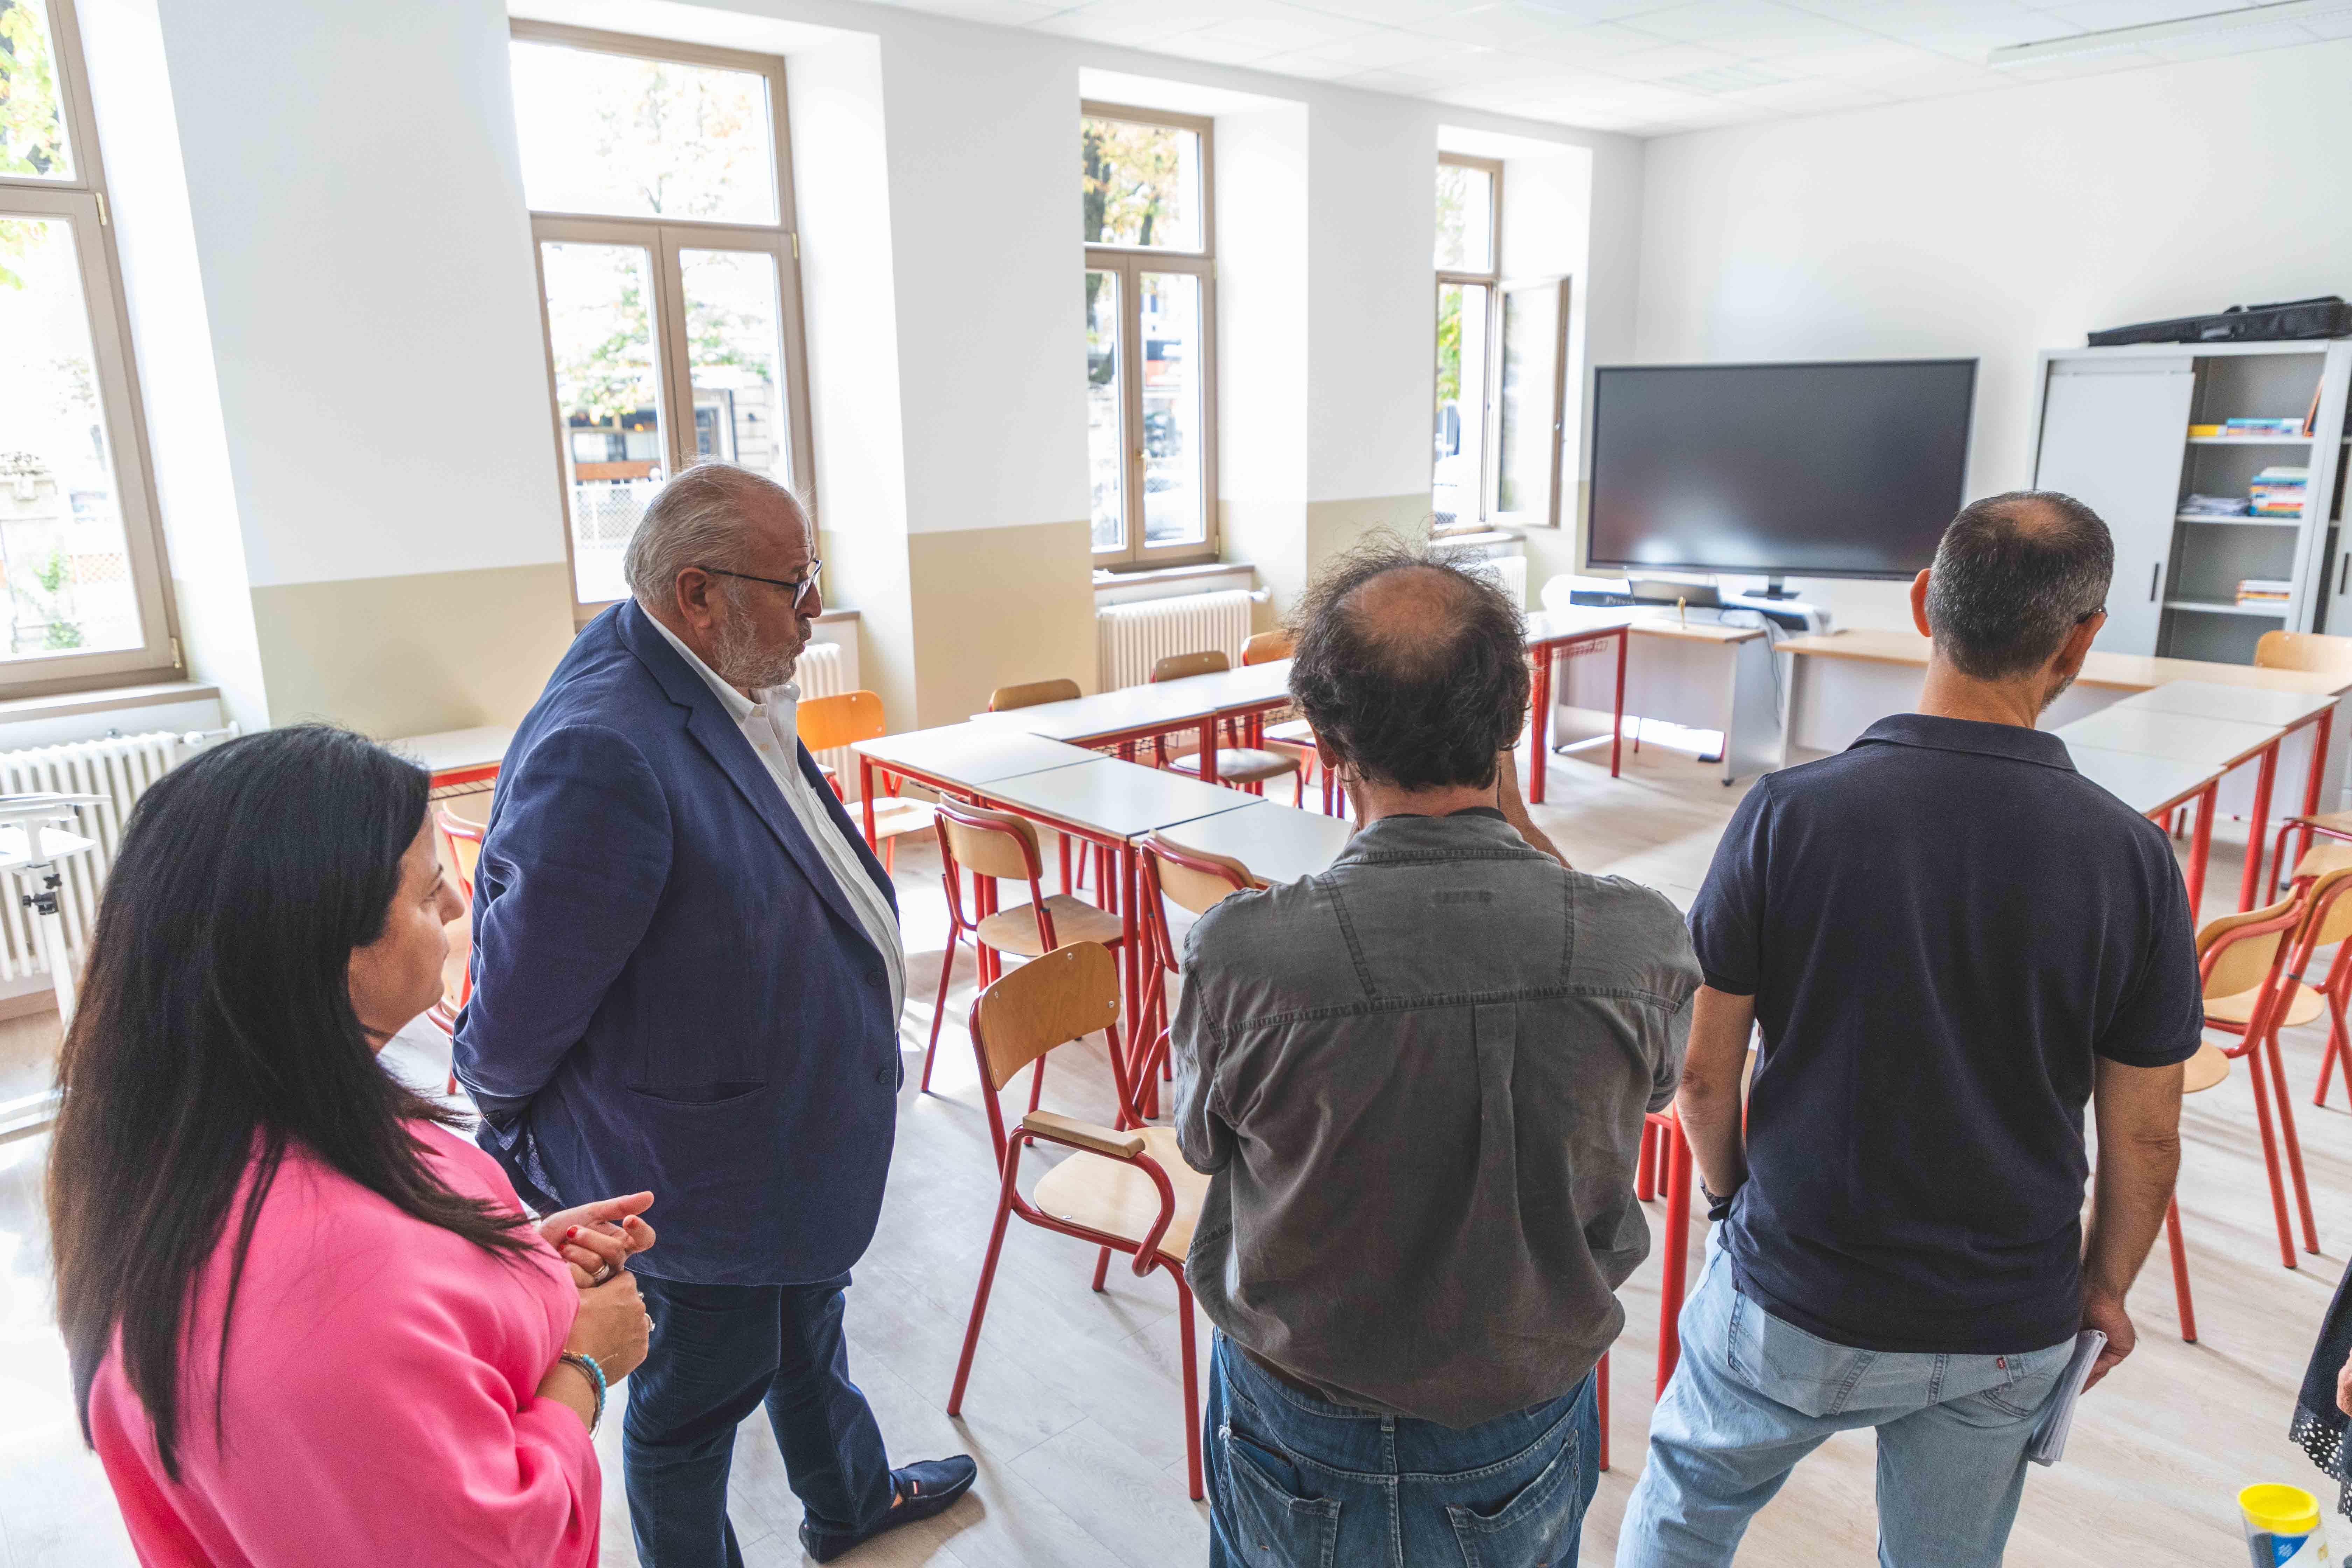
(1004, 699)
(465, 848)
(1177, 665)
(2314, 651)
(2329, 919)
(1265, 647)
(825, 723)
(1196, 879)
(2239, 953)
(1067, 995)
(993, 843)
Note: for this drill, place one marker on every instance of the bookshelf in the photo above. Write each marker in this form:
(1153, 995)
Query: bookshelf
(2111, 426)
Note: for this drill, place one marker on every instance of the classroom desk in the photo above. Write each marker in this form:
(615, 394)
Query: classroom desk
(955, 758)
(2154, 786)
(2199, 741)
(1701, 674)
(1134, 714)
(1277, 843)
(458, 760)
(1550, 634)
(1111, 804)
(2286, 711)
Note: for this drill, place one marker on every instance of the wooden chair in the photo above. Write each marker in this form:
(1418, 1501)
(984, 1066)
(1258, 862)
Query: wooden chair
(1124, 1192)
(2244, 961)
(2320, 654)
(461, 843)
(1029, 694)
(2209, 1067)
(1291, 737)
(995, 844)
(1266, 647)
(1245, 767)
(1196, 880)
(829, 722)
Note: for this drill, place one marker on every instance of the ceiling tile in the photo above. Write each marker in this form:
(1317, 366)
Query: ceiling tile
(2098, 15)
(2236, 41)
(1379, 49)
(1757, 28)
(1138, 24)
(1665, 60)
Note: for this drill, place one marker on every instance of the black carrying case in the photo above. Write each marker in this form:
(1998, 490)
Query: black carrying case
(2326, 317)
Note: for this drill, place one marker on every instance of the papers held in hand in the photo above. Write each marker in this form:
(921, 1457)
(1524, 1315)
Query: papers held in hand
(2058, 1416)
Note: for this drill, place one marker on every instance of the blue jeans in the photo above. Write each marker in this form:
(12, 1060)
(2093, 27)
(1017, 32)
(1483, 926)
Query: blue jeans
(1295, 1482)
(1753, 1394)
(718, 1353)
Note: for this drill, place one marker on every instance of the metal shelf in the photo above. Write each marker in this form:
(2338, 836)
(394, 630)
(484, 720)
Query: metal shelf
(2219, 607)
(2241, 522)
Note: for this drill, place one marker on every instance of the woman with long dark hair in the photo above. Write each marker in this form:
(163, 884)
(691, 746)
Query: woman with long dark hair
(308, 1322)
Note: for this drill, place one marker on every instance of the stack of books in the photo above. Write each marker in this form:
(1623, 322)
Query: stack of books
(2279, 492)
(2213, 506)
(2289, 426)
(2264, 591)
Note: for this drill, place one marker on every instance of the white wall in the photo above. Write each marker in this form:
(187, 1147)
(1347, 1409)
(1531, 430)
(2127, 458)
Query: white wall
(1996, 225)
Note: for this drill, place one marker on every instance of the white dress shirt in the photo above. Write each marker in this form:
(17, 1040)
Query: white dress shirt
(773, 727)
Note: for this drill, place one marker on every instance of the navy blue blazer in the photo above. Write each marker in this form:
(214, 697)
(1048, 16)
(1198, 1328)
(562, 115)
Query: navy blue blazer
(671, 992)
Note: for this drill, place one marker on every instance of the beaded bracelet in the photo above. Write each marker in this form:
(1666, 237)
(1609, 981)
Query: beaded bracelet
(596, 1375)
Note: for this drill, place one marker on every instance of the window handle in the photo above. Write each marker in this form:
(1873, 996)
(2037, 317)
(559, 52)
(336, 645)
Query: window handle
(2340, 571)
(2155, 571)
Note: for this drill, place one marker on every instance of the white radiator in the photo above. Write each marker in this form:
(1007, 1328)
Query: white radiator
(1510, 571)
(120, 768)
(1131, 638)
(820, 675)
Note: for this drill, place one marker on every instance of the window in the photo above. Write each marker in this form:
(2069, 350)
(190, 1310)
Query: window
(1469, 223)
(660, 191)
(1150, 328)
(81, 560)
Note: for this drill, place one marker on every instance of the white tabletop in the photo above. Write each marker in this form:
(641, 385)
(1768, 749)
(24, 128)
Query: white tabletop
(2144, 783)
(1277, 843)
(972, 754)
(1122, 800)
(2244, 704)
(57, 844)
(446, 751)
(1552, 626)
(2183, 737)
(1170, 703)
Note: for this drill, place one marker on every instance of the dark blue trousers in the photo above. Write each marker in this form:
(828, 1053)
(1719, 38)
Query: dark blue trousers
(718, 1353)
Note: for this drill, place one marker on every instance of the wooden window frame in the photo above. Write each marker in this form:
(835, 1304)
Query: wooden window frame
(1491, 279)
(81, 201)
(1128, 262)
(662, 237)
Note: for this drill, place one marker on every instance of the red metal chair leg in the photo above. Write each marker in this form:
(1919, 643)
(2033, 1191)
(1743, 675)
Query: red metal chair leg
(1192, 1380)
(1645, 1164)
(987, 1277)
(1037, 1084)
(2335, 1051)
(2293, 1145)
(1102, 1267)
(938, 1009)
(2180, 1271)
(2270, 1156)
(1677, 1263)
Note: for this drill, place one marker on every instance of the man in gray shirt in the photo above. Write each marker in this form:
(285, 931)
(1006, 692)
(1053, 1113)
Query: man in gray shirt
(1418, 1084)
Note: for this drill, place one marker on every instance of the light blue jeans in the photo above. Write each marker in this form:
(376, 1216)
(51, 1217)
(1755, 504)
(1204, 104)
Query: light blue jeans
(1753, 1394)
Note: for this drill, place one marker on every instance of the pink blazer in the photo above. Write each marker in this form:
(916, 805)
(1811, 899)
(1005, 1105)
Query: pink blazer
(378, 1401)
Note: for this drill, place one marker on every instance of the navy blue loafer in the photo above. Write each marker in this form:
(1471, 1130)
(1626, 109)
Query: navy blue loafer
(927, 1488)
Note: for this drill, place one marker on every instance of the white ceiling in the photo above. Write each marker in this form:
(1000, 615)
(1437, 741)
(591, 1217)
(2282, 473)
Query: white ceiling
(1642, 66)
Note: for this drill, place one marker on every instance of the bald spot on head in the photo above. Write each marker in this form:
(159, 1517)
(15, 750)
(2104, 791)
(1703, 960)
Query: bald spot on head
(1410, 617)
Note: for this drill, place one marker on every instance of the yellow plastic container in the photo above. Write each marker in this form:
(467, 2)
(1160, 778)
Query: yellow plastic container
(2282, 1527)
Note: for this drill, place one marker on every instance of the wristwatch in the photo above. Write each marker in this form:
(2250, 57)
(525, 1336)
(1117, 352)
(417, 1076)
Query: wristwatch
(1717, 1208)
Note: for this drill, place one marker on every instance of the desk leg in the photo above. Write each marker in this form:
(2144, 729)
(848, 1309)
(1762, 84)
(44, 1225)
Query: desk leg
(1209, 750)
(2311, 787)
(2200, 845)
(866, 796)
(1617, 726)
(2257, 824)
(1676, 1270)
(1540, 725)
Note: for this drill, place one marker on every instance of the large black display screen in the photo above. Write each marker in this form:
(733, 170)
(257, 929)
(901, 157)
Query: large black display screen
(1813, 471)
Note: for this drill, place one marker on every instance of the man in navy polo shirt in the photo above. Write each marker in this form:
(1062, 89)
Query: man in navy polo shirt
(1953, 942)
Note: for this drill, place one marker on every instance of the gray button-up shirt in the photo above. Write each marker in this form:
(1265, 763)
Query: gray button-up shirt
(1418, 1082)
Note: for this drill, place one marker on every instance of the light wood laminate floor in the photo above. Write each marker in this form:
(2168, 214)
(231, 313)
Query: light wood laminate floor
(1075, 1411)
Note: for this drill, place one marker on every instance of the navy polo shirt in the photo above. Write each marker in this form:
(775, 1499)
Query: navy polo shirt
(1942, 927)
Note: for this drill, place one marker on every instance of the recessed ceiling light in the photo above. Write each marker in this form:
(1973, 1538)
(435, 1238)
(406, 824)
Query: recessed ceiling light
(2211, 23)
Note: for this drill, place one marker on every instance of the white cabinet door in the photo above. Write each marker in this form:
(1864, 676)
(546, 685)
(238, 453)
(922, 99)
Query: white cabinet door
(2112, 438)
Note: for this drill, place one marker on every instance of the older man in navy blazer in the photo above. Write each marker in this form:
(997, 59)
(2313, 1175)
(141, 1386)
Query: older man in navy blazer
(687, 979)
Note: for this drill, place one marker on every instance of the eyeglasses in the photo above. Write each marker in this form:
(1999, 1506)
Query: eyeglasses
(2079, 620)
(802, 588)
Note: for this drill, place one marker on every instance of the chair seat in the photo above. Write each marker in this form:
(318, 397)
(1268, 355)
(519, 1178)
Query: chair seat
(893, 817)
(1014, 931)
(1241, 764)
(1297, 732)
(2334, 821)
(2209, 1067)
(2301, 1008)
(1115, 1198)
